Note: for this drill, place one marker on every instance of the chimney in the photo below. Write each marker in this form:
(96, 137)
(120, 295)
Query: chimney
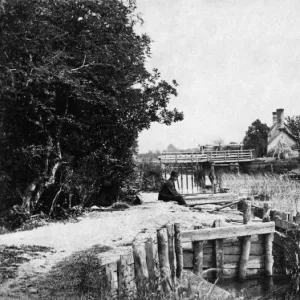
(274, 114)
(280, 118)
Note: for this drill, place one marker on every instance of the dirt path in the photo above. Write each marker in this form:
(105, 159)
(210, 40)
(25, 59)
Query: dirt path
(116, 230)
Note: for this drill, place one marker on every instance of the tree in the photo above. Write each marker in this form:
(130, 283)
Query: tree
(75, 94)
(257, 137)
(171, 148)
(219, 142)
(294, 125)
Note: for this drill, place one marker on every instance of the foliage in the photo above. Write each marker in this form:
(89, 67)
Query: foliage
(294, 125)
(152, 176)
(75, 94)
(257, 137)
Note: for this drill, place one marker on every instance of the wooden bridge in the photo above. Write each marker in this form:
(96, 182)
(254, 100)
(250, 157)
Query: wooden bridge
(217, 157)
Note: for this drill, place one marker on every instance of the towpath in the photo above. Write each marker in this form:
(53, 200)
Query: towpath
(111, 230)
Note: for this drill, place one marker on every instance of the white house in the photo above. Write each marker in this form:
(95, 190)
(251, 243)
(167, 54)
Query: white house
(280, 137)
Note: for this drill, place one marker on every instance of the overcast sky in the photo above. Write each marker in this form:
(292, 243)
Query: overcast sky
(235, 61)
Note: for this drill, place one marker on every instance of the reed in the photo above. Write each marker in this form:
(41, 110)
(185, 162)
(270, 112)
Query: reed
(282, 193)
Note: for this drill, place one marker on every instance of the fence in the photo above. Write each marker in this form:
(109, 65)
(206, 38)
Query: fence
(157, 261)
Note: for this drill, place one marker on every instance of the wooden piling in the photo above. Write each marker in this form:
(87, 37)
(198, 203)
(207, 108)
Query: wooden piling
(178, 251)
(187, 177)
(126, 276)
(171, 249)
(219, 253)
(197, 256)
(150, 258)
(297, 219)
(163, 256)
(213, 175)
(140, 266)
(266, 212)
(268, 254)
(291, 216)
(181, 177)
(192, 179)
(246, 242)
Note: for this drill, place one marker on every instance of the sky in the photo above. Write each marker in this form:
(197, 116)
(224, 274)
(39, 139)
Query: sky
(235, 61)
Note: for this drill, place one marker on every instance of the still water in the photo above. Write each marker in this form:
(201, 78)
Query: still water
(273, 288)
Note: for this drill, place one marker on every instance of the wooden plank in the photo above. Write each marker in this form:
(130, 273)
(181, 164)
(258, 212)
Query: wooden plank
(212, 201)
(257, 248)
(210, 196)
(233, 273)
(208, 262)
(228, 232)
(285, 224)
(256, 263)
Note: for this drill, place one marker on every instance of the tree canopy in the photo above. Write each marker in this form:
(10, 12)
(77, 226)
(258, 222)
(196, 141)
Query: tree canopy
(257, 137)
(75, 93)
(294, 125)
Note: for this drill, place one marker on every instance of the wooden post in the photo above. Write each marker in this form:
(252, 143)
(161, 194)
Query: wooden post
(268, 254)
(163, 256)
(198, 256)
(291, 216)
(246, 242)
(181, 177)
(178, 251)
(266, 212)
(284, 216)
(219, 253)
(213, 186)
(140, 266)
(192, 179)
(187, 178)
(171, 248)
(297, 220)
(126, 282)
(150, 258)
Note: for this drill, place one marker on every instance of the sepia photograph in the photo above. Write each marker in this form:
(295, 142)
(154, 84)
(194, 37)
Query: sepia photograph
(149, 149)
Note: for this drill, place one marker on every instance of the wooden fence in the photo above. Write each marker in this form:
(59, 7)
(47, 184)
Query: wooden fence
(240, 251)
(156, 262)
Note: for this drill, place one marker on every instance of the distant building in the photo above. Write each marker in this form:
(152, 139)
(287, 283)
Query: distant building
(280, 138)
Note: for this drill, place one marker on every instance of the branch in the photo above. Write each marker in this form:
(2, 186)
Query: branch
(82, 66)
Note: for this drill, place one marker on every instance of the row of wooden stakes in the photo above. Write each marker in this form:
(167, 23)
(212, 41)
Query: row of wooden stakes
(158, 261)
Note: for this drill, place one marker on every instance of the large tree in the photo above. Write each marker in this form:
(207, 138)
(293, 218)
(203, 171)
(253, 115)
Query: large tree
(257, 137)
(294, 125)
(75, 94)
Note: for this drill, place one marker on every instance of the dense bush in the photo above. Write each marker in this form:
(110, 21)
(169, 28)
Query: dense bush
(75, 94)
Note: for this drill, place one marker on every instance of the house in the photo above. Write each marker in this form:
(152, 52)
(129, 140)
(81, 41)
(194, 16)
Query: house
(280, 138)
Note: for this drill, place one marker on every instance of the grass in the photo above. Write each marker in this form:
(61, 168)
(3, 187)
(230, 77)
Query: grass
(282, 193)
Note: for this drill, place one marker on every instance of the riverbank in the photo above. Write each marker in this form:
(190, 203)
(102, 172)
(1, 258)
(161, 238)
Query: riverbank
(112, 232)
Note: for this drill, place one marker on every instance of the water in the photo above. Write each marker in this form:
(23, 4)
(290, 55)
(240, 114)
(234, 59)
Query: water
(265, 288)
(186, 184)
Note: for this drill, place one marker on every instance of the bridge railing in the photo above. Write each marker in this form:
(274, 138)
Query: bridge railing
(216, 155)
